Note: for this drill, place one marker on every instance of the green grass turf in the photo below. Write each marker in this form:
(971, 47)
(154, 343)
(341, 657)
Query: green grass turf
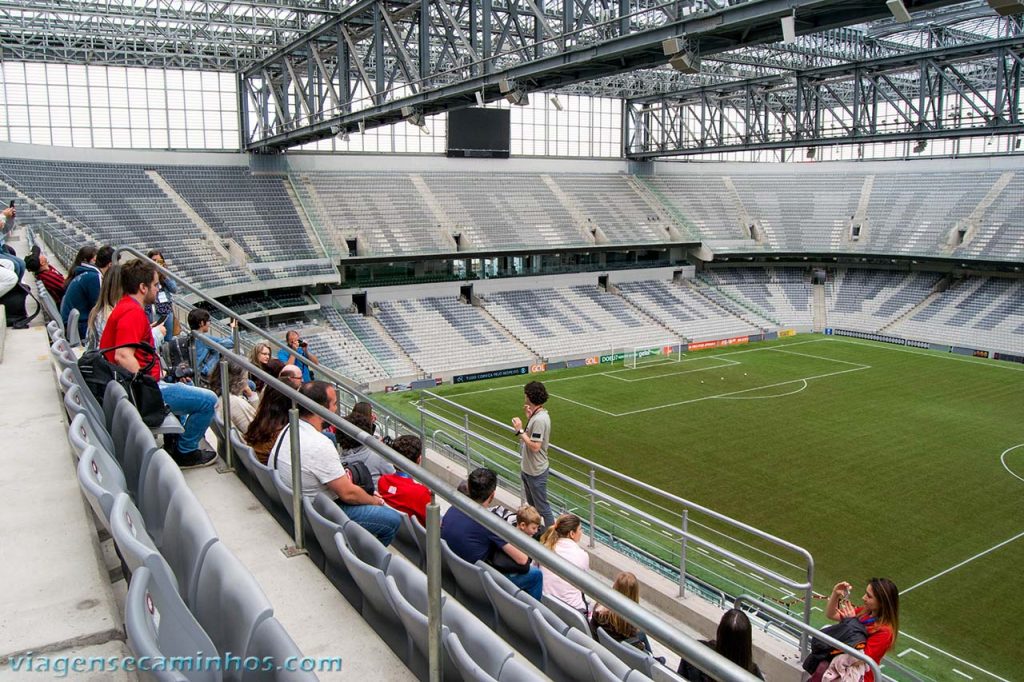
(885, 463)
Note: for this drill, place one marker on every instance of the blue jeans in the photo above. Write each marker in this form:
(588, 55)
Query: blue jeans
(194, 406)
(380, 520)
(19, 265)
(535, 489)
(532, 582)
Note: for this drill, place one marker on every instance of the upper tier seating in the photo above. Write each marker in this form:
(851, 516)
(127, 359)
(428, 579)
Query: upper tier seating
(610, 203)
(503, 211)
(685, 311)
(574, 320)
(119, 204)
(254, 210)
(441, 334)
(1000, 234)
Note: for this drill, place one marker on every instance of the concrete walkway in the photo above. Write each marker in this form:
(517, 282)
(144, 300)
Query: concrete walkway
(57, 598)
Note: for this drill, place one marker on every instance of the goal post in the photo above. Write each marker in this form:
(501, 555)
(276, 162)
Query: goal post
(638, 356)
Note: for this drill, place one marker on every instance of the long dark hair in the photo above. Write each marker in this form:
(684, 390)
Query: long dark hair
(86, 253)
(888, 597)
(733, 639)
(271, 417)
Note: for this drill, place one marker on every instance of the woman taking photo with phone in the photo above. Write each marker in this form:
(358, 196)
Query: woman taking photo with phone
(880, 614)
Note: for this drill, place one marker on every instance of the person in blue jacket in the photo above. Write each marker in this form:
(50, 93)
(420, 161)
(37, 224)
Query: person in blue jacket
(83, 287)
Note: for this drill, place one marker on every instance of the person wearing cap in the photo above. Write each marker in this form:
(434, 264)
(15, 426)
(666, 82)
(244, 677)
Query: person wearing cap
(38, 264)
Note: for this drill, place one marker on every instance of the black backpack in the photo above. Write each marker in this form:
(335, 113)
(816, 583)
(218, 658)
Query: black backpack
(360, 475)
(850, 631)
(176, 356)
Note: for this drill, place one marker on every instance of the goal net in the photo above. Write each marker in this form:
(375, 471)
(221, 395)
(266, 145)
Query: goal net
(639, 356)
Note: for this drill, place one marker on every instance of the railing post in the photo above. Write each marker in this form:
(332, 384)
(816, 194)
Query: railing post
(225, 396)
(236, 339)
(465, 433)
(805, 644)
(593, 511)
(434, 650)
(682, 554)
(293, 435)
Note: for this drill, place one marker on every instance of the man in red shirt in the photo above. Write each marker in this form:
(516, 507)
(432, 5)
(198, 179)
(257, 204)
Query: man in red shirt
(398, 489)
(128, 323)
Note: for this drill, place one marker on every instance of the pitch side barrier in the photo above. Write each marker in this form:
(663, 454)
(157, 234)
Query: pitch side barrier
(448, 434)
(704, 658)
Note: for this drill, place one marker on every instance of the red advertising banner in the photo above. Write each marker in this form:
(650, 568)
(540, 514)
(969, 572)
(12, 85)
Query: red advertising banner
(704, 345)
(595, 360)
(538, 368)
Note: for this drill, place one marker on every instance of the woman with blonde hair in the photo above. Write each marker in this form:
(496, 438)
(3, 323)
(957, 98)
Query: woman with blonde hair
(110, 293)
(260, 355)
(617, 627)
(563, 538)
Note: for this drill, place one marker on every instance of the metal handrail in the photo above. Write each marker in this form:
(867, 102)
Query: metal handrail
(693, 651)
(807, 587)
(809, 630)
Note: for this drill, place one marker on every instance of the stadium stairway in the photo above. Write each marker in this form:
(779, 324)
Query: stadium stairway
(58, 598)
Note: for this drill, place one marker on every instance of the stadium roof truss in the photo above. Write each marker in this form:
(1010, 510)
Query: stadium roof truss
(380, 61)
(961, 91)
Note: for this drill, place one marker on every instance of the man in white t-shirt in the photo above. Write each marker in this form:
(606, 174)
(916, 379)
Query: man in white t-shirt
(321, 469)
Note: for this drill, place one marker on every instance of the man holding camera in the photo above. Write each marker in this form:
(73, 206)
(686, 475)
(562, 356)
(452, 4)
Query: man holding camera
(299, 349)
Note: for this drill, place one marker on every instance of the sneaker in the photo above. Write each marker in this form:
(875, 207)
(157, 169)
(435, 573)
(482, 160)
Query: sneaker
(194, 459)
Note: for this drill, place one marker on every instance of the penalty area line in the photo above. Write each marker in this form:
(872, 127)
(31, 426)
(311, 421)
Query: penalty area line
(963, 563)
(951, 656)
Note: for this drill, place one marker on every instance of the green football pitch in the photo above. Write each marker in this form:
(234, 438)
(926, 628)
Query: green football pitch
(880, 460)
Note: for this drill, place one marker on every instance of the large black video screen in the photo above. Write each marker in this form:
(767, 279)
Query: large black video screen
(479, 132)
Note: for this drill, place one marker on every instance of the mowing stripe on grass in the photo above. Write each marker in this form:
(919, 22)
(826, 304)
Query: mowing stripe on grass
(931, 354)
(962, 563)
(803, 387)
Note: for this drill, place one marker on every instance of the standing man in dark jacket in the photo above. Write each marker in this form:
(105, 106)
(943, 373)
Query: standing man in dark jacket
(83, 288)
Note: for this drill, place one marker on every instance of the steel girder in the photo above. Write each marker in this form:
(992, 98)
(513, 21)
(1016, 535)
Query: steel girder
(964, 91)
(379, 57)
(196, 34)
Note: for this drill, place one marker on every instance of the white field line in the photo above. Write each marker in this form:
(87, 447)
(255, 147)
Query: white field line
(1002, 458)
(724, 395)
(908, 650)
(949, 655)
(728, 363)
(768, 397)
(518, 387)
(576, 402)
(816, 357)
(931, 354)
(962, 563)
(962, 674)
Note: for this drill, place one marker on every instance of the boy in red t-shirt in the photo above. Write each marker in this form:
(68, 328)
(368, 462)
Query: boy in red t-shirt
(398, 489)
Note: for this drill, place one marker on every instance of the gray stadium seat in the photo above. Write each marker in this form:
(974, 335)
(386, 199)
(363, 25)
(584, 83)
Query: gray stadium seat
(414, 621)
(72, 328)
(635, 658)
(469, 588)
(262, 473)
(160, 480)
(271, 642)
(366, 546)
(84, 431)
(511, 671)
(377, 610)
(133, 443)
(514, 625)
(571, 616)
(134, 543)
(159, 625)
(326, 519)
(230, 605)
(187, 537)
(407, 542)
(77, 401)
(112, 395)
(66, 379)
(101, 481)
(566, 660)
(603, 664)
(488, 650)
(284, 492)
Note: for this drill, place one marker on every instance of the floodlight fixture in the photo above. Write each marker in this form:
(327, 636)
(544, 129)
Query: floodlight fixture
(920, 146)
(556, 103)
(682, 55)
(479, 98)
(789, 29)
(413, 116)
(811, 151)
(899, 10)
(518, 96)
(362, 127)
